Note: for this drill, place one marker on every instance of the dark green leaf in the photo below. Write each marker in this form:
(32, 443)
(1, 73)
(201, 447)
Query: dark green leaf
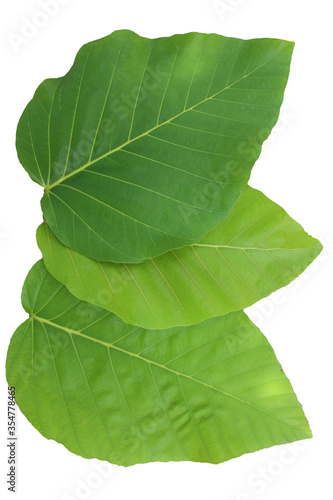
(145, 145)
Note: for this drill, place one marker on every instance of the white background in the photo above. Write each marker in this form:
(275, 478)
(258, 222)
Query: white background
(295, 170)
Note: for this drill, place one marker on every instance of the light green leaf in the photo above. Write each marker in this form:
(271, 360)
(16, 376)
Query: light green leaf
(105, 389)
(255, 251)
(145, 145)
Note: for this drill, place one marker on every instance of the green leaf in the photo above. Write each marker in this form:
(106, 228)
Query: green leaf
(105, 389)
(145, 145)
(255, 251)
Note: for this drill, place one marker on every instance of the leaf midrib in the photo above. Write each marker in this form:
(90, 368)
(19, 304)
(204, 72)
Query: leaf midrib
(150, 362)
(89, 163)
(252, 248)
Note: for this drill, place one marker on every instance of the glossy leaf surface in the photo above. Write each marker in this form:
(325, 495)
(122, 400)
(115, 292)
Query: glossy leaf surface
(145, 145)
(105, 389)
(255, 251)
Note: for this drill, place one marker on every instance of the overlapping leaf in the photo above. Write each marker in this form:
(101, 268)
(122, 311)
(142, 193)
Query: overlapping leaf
(143, 149)
(145, 145)
(105, 389)
(255, 251)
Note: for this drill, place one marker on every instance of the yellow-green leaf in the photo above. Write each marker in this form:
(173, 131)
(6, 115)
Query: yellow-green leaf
(255, 251)
(105, 389)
